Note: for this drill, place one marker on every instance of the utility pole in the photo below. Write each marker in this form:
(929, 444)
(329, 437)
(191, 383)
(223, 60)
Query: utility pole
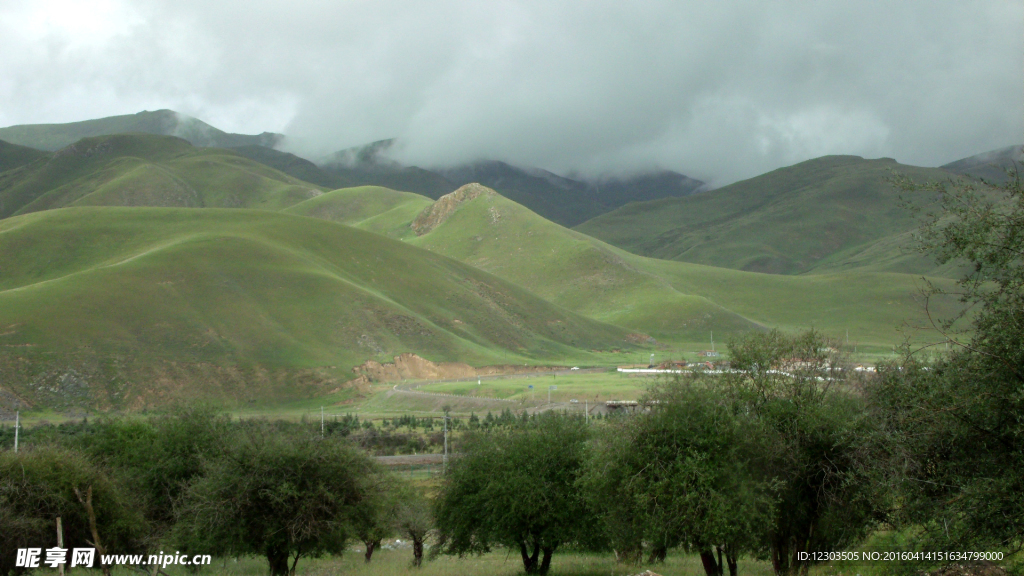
(586, 410)
(17, 421)
(712, 340)
(446, 441)
(321, 421)
(60, 544)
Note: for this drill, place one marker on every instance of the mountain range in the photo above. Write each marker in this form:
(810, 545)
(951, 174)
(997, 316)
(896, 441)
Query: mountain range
(563, 200)
(140, 269)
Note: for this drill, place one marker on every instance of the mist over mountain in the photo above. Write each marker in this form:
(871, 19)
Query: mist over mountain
(716, 91)
(566, 200)
(993, 166)
(162, 122)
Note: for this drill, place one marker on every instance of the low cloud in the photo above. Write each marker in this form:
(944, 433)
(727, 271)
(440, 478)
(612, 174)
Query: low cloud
(719, 91)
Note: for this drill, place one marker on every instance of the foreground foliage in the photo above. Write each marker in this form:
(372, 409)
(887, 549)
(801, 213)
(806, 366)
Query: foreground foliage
(956, 425)
(283, 496)
(517, 488)
(766, 459)
(38, 485)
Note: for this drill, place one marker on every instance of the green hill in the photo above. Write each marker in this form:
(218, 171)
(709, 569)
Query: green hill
(129, 307)
(820, 215)
(675, 302)
(12, 155)
(162, 122)
(146, 170)
(373, 208)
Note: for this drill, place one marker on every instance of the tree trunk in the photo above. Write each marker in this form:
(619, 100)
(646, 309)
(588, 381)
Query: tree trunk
(730, 559)
(91, 513)
(278, 561)
(631, 554)
(371, 545)
(545, 564)
(780, 557)
(529, 561)
(417, 551)
(711, 567)
(658, 554)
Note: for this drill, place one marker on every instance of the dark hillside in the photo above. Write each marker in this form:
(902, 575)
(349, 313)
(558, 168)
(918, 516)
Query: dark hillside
(991, 165)
(13, 155)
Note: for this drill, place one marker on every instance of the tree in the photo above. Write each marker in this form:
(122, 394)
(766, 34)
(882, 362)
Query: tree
(158, 456)
(813, 440)
(516, 486)
(374, 516)
(413, 519)
(676, 475)
(955, 425)
(277, 494)
(41, 483)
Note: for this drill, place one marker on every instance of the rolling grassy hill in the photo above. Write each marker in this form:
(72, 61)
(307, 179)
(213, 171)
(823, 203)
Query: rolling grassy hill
(675, 302)
(161, 122)
(146, 170)
(826, 214)
(373, 208)
(130, 307)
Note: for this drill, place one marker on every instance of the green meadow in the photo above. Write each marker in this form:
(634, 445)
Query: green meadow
(396, 559)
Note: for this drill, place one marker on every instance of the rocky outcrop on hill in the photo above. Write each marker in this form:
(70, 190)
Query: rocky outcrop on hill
(435, 214)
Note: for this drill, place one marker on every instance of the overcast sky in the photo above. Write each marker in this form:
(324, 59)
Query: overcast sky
(718, 90)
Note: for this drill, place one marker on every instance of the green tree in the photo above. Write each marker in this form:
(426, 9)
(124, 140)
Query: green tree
(413, 520)
(516, 486)
(373, 519)
(156, 457)
(677, 475)
(283, 495)
(812, 434)
(956, 424)
(41, 483)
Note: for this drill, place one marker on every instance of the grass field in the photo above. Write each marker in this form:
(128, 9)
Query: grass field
(499, 563)
(597, 387)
